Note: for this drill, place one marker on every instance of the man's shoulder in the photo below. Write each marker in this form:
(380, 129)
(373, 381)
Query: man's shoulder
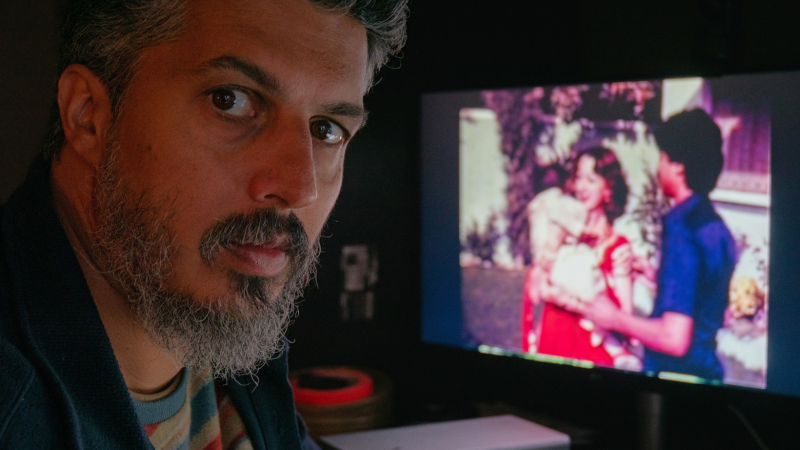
(707, 225)
(268, 395)
(703, 215)
(7, 324)
(28, 415)
(16, 377)
(28, 418)
(707, 233)
(714, 233)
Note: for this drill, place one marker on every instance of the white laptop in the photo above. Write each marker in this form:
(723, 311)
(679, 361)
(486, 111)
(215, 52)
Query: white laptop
(486, 433)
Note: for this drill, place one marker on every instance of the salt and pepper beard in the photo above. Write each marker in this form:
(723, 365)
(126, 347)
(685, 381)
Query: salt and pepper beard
(235, 334)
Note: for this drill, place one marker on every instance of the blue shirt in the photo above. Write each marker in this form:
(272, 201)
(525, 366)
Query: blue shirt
(697, 261)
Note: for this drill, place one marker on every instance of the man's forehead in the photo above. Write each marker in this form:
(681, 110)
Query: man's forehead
(275, 32)
(280, 21)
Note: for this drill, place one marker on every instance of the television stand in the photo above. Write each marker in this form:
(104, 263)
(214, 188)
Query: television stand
(650, 409)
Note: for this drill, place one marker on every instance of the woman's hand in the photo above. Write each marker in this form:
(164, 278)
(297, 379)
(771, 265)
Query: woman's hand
(559, 297)
(532, 284)
(644, 270)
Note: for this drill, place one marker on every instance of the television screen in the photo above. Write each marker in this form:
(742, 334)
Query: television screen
(622, 224)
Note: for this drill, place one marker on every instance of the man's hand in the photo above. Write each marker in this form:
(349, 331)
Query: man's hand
(602, 311)
(671, 333)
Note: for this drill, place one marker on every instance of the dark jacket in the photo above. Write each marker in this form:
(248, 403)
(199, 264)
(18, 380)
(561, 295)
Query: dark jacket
(60, 384)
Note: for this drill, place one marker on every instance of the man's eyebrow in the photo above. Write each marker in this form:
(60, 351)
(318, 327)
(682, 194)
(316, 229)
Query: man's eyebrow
(271, 84)
(247, 68)
(347, 110)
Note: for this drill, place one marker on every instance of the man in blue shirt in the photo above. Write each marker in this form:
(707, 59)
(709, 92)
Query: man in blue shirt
(698, 257)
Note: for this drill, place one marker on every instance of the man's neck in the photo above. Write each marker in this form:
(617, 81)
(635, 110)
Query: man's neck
(145, 367)
(682, 194)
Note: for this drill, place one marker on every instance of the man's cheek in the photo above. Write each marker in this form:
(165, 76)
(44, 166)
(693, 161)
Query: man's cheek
(329, 185)
(314, 217)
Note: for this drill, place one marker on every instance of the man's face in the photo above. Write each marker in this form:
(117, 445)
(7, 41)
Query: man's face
(291, 70)
(670, 175)
(243, 121)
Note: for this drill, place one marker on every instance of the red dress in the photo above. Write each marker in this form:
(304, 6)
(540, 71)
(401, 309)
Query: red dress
(562, 334)
(527, 313)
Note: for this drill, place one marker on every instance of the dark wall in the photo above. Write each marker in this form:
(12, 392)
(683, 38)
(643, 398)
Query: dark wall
(28, 43)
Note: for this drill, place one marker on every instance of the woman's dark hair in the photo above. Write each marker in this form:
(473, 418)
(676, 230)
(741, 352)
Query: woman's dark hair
(607, 166)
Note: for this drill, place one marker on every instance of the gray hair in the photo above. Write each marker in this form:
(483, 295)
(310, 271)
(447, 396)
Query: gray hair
(385, 21)
(109, 36)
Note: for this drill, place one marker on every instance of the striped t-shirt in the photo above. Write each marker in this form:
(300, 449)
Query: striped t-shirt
(195, 415)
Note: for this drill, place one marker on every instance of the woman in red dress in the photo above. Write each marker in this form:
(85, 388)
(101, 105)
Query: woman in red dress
(599, 184)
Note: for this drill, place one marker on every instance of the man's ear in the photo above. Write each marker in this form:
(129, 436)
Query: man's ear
(85, 110)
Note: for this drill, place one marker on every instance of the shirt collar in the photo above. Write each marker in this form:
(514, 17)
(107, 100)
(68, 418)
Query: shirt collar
(679, 211)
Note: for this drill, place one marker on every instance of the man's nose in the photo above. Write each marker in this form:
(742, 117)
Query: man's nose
(285, 173)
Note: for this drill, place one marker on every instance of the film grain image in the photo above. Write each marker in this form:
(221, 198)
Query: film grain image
(562, 202)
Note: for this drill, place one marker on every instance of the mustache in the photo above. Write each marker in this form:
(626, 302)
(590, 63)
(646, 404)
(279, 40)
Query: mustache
(261, 227)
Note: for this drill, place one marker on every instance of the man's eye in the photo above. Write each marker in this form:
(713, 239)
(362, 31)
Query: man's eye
(233, 102)
(327, 131)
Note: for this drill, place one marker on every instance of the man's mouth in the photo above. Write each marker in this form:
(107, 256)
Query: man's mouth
(266, 260)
